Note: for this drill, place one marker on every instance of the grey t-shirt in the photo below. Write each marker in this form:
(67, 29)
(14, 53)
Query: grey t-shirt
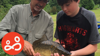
(19, 19)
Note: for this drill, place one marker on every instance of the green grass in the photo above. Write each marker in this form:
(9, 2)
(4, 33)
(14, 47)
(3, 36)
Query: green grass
(97, 14)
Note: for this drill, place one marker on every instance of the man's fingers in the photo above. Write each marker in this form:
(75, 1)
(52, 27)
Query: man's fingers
(62, 55)
(28, 48)
(56, 54)
(32, 51)
(37, 54)
(26, 52)
(51, 54)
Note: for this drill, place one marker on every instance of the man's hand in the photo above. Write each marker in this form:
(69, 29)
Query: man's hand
(56, 54)
(28, 49)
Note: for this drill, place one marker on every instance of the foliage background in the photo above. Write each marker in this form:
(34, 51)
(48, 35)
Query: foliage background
(88, 4)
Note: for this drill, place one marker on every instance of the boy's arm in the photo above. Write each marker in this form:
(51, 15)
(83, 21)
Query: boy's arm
(85, 51)
(91, 48)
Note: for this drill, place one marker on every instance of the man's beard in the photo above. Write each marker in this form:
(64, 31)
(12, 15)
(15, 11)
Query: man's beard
(36, 9)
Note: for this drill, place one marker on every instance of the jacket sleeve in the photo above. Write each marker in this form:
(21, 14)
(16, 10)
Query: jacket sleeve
(8, 23)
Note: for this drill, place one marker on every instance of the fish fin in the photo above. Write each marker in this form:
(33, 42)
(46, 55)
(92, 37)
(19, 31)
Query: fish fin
(43, 38)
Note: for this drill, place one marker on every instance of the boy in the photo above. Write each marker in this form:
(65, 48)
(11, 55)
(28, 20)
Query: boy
(76, 29)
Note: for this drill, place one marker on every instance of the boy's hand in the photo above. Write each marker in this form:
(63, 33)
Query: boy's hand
(63, 46)
(28, 49)
(73, 53)
(57, 40)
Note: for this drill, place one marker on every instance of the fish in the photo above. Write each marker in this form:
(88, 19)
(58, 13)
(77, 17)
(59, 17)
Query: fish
(47, 47)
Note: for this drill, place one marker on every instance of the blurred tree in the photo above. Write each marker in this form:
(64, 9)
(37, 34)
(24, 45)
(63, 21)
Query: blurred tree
(14, 2)
(5, 5)
(53, 10)
(88, 4)
(47, 8)
(96, 1)
(54, 3)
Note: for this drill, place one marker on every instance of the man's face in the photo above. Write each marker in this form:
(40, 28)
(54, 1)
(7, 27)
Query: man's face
(38, 5)
(70, 8)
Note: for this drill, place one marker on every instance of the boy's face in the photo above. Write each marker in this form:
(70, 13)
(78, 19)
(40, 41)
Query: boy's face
(71, 8)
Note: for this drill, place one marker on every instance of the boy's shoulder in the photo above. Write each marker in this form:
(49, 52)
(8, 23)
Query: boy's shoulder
(89, 15)
(86, 12)
(60, 13)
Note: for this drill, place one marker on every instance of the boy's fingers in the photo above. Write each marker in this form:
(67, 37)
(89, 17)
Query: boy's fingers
(63, 46)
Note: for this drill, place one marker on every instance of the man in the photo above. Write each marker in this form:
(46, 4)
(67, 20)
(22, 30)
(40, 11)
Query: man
(30, 21)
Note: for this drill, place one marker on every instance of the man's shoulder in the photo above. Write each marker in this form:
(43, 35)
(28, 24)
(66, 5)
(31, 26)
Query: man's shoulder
(45, 14)
(19, 6)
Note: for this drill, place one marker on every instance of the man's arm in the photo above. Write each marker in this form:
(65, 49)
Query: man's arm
(8, 23)
(49, 32)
